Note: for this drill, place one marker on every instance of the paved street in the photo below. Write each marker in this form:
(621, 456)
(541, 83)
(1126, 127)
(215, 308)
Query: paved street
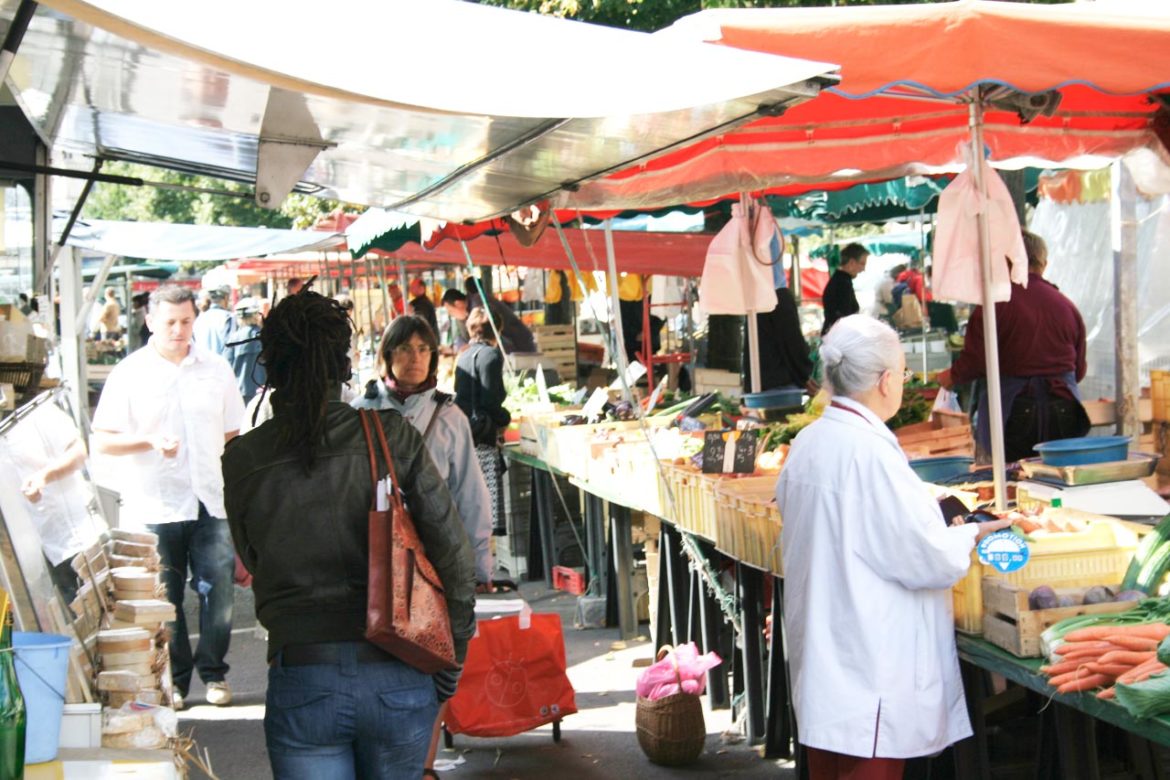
(597, 742)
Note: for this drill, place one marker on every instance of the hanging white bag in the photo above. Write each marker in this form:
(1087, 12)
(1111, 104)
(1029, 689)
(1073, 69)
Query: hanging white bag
(737, 274)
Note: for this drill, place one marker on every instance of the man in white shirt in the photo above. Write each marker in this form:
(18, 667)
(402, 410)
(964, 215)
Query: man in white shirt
(166, 412)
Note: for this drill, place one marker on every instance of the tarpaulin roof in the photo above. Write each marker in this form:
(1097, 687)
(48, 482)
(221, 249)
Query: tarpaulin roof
(1103, 58)
(447, 109)
(178, 242)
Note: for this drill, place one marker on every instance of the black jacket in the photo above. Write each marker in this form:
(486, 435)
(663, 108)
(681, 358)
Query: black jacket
(784, 354)
(839, 299)
(479, 383)
(304, 537)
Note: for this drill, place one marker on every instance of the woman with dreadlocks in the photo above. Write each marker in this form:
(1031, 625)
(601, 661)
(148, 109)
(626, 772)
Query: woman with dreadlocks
(297, 490)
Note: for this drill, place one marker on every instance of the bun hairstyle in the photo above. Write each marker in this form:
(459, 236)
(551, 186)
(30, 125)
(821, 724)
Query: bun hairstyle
(856, 352)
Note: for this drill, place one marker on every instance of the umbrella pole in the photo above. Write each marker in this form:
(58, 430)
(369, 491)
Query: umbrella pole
(990, 331)
(753, 325)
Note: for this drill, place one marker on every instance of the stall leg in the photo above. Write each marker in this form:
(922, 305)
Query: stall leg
(542, 487)
(778, 730)
(694, 618)
(1076, 741)
(749, 584)
(595, 543)
(663, 622)
(971, 762)
(710, 620)
(621, 532)
(677, 585)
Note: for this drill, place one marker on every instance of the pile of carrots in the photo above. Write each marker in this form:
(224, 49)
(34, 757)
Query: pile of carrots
(1099, 656)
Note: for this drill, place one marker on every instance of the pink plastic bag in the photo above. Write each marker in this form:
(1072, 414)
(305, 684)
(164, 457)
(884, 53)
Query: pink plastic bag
(678, 669)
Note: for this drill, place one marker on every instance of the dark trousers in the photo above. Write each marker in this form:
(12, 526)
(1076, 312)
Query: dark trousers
(202, 550)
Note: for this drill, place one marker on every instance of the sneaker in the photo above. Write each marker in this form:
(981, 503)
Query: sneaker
(177, 701)
(219, 694)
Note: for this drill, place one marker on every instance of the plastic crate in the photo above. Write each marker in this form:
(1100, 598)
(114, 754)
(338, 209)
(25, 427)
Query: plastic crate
(569, 579)
(1098, 556)
(1160, 395)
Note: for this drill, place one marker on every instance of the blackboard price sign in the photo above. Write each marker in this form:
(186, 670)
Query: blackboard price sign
(729, 452)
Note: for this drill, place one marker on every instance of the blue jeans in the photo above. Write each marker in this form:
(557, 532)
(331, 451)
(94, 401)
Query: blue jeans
(348, 720)
(203, 548)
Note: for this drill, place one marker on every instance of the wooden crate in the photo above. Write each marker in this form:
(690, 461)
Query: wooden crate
(1009, 623)
(1160, 395)
(946, 433)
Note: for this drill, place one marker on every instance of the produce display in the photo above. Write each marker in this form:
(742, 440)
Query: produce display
(1123, 655)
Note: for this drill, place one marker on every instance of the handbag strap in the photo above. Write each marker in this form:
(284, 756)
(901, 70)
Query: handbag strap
(373, 458)
(440, 399)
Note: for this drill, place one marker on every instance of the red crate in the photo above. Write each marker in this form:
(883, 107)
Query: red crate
(568, 579)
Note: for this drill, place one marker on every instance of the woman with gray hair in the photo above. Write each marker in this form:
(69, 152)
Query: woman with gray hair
(865, 543)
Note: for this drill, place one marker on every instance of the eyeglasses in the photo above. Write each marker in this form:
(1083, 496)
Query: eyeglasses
(907, 375)
(405, 350)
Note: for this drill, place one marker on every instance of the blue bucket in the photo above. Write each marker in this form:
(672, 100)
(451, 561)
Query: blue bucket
(42, 661)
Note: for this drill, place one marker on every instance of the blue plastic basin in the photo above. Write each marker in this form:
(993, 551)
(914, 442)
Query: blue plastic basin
(1084, 450)
(940, 469)
(780, 397)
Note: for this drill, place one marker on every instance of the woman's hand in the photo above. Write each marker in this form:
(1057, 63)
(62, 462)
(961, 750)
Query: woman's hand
(991, 526)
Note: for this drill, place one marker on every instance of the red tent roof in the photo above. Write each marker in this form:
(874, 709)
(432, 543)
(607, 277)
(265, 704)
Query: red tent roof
(1104, 60)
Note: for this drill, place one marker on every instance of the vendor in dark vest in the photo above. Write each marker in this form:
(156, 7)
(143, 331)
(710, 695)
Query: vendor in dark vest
(838, 297)
(1041, 339)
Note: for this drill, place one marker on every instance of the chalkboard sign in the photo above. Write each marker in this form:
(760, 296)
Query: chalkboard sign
(729, 452)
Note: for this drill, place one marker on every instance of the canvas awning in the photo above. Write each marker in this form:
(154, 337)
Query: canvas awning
(183, 243)
(1104, 59)
(444, 109)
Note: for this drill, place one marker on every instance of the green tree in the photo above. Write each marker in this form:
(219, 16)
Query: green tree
(652, 15)
(177, 202)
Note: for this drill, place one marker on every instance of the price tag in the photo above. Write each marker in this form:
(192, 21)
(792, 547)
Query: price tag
(729, 452)
(1004, 550)
(657, 392)
(634, 372)
(541, 385)
(595, 403)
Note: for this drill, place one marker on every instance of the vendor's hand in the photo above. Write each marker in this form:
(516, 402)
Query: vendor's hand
(167, 445)
(991, 527)
(768, 628)
(811, 387)
(33, 486)
(944, 379)
(484, 587)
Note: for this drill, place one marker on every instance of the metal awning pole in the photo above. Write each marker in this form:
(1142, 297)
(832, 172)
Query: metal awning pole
(616, 320)
(990, 331)
(753, 325)
(15, 34)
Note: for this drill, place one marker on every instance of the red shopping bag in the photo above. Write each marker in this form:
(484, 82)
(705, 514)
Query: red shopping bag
(513, 679)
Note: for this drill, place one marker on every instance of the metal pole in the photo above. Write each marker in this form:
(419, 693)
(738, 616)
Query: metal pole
(15, 34)
(990, 331)
(753, 327)
(616, 319)
(1125, 309)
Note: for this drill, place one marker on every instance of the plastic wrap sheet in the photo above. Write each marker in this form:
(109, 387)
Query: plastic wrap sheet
(1080, 262)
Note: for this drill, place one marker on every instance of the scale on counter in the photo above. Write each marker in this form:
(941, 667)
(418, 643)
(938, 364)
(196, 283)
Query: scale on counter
(1113, 488)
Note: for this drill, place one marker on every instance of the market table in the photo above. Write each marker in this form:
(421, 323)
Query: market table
(1067, 729)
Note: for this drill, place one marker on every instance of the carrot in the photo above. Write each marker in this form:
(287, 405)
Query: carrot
(1158, 631)
(1149, 672)
(1110, 670)
(1127, 657)
(1148, 668)
(1073, 647)
(1084, 683)
(1060, 668)
(1090, 654)
(1075, 674)
(1138, 643)
(1108, 693)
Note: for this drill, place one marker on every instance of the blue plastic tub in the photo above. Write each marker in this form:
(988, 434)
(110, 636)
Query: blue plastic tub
(779, 398)
(1084, 450)
(941, 469)
(42, 661)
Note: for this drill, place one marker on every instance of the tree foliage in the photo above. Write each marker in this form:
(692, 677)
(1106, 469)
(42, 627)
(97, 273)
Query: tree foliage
(652, 15)
(163, 204)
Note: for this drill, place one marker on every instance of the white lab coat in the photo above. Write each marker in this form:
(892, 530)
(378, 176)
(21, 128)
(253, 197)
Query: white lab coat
(868, 566)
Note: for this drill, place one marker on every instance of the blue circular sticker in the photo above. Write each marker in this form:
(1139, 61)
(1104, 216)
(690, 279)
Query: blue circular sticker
(1004, 550)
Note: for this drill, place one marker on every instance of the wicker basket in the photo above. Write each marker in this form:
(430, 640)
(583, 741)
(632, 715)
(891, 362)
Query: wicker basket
(671, 730)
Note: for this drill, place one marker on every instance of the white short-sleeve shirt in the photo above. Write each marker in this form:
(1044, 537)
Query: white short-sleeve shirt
(66, 516)
(196, 401)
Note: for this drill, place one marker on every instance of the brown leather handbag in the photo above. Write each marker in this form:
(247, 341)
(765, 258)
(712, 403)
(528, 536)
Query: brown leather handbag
(406, 612)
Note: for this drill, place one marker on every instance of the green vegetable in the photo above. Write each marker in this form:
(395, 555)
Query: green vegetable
(1147, 698)
(1164, 651)
(1150, 561)
(914, 409)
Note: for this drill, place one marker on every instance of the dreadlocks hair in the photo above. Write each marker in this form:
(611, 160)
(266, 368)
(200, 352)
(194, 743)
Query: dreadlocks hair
(305, 345)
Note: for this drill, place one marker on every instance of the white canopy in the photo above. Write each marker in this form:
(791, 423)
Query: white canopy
(444, 109)
(180, 243)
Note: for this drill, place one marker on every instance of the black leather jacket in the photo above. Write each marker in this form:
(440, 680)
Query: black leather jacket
(304, 536)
